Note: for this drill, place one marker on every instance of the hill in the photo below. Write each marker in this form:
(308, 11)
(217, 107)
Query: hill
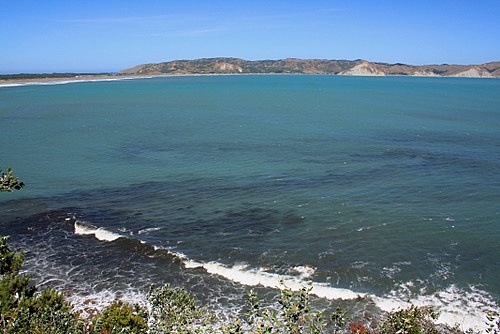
(309, 66)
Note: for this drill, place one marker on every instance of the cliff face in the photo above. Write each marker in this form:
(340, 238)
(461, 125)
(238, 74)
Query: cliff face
(364, 69)
(309, 66)
(474, 72)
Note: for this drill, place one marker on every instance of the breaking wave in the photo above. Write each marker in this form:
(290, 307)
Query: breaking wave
(455, 306)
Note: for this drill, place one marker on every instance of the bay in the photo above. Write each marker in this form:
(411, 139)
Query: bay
(385, 187)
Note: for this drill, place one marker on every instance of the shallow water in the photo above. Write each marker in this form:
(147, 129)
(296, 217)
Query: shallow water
(387, 187)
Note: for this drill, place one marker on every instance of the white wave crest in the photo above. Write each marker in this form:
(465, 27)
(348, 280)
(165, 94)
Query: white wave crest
(99, 233)
(240, 273)
(455, 306)
(147, 230)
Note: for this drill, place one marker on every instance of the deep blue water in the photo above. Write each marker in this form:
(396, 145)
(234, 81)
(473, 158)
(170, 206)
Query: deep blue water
(388, 187)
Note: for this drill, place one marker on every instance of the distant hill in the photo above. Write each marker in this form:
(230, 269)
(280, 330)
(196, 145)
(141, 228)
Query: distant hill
(310, 66)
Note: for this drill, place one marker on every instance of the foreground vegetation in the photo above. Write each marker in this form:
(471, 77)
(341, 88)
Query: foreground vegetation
(23, 309)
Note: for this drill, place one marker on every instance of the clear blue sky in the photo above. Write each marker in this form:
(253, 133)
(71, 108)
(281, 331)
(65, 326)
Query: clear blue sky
(109, 35)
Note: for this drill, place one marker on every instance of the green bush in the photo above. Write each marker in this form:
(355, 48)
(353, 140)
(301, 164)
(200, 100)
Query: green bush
(411, 320)
(176, 311)
(8, 182)
(24, 311)
(14, 291)
(47, 312)
(120, 317)
(295, 315)
(10, 261)
(14, 288)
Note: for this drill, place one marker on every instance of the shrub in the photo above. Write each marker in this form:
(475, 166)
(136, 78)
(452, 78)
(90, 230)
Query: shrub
(14, 288)
(295, 315)
(259, 319)
(176, 311)
(295, 308)
(8, 182)
(47, 312)
(412, 320)
(338, 319)
(10, 261)
(24, 311)
(120, 317)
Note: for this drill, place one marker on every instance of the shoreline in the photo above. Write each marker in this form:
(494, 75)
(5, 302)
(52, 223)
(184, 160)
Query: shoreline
(63, 80)
(117, 77)
(102, 78)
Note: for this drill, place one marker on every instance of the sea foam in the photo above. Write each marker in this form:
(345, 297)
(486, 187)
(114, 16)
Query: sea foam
(99, 233)
(455, 306)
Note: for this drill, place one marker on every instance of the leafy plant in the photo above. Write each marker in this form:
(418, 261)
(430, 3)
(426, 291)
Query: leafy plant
(10, 261)
(258, 318)
(295, 316)
(233, 327)
(120, 317)
(295, 308)
(14, 288)
(176, 311)
(8, 182)
(24, 311)
(47, 312)
(338, 319)
(411, 320)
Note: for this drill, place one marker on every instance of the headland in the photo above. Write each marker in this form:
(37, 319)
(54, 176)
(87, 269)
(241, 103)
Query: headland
(221, 65)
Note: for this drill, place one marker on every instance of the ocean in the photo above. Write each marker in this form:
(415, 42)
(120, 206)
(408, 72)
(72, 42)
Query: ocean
(379, 190)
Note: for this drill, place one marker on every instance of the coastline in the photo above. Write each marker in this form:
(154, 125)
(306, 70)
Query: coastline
(63, 80)
(111, 77)
(237, 66)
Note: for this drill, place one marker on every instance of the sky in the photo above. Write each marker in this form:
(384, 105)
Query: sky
(110, 35)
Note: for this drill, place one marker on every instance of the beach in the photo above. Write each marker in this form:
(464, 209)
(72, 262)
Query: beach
(62, 80)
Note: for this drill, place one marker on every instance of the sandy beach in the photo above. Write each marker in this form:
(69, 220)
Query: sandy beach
(70, 79)
(87, 78)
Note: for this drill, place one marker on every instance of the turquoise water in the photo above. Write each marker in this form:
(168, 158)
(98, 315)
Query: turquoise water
(387, 187)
